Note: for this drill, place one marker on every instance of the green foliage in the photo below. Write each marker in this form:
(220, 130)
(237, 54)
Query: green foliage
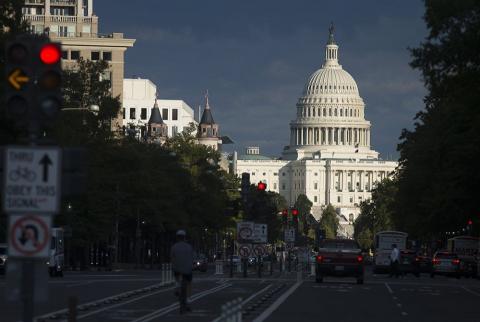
(376, 214)
(304, 206)
(329, 222)
(264, 207)
(438, 172)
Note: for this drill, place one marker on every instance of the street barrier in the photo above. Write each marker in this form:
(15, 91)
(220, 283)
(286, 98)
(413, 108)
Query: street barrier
(218, 267)
(167, 274)
(231, 311)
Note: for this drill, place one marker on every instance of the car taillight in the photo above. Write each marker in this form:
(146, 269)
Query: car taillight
(456, 261)
(359, 258)
(435, 261)
(319, 258)
(417, 259)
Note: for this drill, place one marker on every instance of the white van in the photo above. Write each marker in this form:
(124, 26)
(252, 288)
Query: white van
(383, 247)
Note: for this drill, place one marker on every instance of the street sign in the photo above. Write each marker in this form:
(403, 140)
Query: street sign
(245, 231)
(289, 235)
(32, 180)
(260, 234)
(259, 250)
(29, 236)
(244, 251)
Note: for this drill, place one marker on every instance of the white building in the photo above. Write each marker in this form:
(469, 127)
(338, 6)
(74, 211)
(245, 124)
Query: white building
(329, 158)
(138, 99)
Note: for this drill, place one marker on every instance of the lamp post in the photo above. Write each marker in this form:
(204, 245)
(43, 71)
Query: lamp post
(92, 108)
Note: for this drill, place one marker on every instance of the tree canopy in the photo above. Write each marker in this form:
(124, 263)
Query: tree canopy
(329, 222)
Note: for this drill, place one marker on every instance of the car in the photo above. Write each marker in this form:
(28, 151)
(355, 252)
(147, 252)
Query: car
(3, 258)
(446, 263)
(339, 257)
(409, 262)
(235, 259)
(200, 263)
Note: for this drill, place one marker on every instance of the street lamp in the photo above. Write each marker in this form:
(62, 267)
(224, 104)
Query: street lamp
(92, 108)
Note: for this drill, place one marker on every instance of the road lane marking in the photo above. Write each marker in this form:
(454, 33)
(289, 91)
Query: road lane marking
(122, 303)
(470, 291)
(46, 315)
(265, 314)
(174, 306)
(388, 288)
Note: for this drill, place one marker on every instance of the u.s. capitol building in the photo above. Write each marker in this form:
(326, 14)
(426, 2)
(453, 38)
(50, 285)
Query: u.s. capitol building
(329, 158)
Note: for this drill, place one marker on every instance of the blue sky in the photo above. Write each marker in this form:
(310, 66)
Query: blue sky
(255, 57)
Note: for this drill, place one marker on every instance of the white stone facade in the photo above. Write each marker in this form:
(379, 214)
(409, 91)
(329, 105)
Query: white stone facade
(329, 158)
(138, 100)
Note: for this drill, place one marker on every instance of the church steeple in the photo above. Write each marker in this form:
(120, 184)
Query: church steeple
(157, 130)
(207, 133)
(207, 117)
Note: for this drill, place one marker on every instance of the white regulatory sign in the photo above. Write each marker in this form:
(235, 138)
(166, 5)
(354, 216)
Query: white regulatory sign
(29, 236)
(245, 231)
(32, 180)
(260, 233)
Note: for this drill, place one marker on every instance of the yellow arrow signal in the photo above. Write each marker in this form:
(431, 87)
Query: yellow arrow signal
(17, 78)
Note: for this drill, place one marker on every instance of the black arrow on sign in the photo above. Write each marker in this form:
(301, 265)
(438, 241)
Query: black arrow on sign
(45, 161)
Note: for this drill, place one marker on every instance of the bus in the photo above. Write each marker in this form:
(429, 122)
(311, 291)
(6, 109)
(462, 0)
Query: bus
(383, 247)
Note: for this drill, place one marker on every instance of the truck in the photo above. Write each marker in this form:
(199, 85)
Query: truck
(383, 247)
(56, 259)
(467, 250)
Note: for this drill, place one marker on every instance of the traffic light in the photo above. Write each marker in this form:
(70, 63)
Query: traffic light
(33, 76)
(470, 222)
(294, 212)
(295, 217)
(262, 186)
(285, 216)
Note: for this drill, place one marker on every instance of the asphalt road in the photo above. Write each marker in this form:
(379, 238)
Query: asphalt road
(138, 296)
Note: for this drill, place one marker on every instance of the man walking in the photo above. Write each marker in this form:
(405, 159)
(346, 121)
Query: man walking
(394, 261)
(181, 255)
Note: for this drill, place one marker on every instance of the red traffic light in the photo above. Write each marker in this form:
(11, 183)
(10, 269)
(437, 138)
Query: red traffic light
(294, 212)
(262, 186)
(50, 54)
(285, 212)
(470, 222)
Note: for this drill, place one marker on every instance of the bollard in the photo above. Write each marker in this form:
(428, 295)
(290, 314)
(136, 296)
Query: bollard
(239, 267)
(163, 274)
(312, 269)
(170, 273)
(218, 267)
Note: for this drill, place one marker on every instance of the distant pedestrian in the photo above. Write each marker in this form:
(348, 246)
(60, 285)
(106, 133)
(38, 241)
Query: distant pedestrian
(182, 262)
(394, 261)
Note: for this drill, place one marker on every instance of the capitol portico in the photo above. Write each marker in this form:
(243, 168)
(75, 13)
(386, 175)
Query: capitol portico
(329, 158)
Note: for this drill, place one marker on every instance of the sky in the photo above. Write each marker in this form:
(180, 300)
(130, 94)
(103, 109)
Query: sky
(255, 56)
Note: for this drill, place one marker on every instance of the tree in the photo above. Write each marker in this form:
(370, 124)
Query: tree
(438, 171)
(329, 222)
(376, 214)
(304, 206)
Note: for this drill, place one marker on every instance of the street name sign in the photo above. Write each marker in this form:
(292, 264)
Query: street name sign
(32, 180)
(260, 233)
(29, 236)
(245, 231)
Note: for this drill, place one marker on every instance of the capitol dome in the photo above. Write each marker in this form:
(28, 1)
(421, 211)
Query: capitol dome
(330, 114)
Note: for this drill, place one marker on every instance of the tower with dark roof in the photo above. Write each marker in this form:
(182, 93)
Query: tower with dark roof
(207, 133)
(157, 130)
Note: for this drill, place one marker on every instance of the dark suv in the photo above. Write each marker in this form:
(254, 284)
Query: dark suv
(409, 262)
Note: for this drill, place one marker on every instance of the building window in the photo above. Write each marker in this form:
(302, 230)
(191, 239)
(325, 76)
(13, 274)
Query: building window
(316, 174)
(64, 54)
(253, 173)
(174, 130)
(174, 114)
(143, 113)
(132, 113)
(95, 55)
(283, 174)
(107, 55)
(75, 55)
(165, 114)
(350, 217)
(275, 186)
(339, 199)
(264, 174)
(351, 199)
(275, 174)
(123, 112)
(315, 186)
(283, 186)
(63, 31)
(315, 199)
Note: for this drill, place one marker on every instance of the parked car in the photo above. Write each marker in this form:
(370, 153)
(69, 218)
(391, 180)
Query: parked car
(445, 263)
(200, 263)
(409, 262)
(339, 257)
(3, 258)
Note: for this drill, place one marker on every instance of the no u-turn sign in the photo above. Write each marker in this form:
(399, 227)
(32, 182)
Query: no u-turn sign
(29, 236)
